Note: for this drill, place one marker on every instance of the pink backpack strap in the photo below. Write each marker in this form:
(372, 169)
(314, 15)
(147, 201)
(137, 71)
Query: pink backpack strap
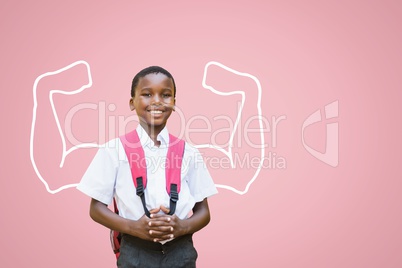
(174, 159)
(136, 156)
(136, 159)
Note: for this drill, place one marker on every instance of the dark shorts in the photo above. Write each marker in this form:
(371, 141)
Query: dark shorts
(178, 253)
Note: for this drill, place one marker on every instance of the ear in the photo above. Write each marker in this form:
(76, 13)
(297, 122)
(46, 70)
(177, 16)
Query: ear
(174, 105)
(131, 103)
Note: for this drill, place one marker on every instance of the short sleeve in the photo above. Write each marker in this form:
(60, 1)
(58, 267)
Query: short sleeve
(198, 177)
(99, 179)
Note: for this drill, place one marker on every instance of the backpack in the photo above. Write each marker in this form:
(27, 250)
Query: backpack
(174, 157)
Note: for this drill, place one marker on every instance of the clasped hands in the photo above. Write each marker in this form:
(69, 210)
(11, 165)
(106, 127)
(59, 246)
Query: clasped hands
(161, 226)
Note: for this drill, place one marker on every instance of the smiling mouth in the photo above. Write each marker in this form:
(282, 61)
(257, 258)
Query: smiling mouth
(155, 112)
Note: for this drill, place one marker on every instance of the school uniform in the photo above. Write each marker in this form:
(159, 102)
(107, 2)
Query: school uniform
(109, 175)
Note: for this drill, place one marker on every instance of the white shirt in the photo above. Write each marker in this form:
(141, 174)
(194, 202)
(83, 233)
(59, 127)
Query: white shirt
(109, 176)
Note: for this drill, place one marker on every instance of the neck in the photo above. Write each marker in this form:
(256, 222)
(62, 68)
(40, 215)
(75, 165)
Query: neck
(153, 132)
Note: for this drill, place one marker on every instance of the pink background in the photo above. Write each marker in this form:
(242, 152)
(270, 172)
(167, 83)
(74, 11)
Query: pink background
(306, 54)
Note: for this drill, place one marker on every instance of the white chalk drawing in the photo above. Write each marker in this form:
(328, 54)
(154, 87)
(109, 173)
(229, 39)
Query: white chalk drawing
(228, 152)
(66, 152)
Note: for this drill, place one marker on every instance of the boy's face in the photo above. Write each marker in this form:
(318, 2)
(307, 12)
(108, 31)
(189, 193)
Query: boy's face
(153, 100)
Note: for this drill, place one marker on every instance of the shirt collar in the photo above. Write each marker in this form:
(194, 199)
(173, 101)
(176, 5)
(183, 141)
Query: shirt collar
(146, 141)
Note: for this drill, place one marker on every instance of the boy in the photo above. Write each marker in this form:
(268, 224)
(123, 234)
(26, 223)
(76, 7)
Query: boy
(161, 240)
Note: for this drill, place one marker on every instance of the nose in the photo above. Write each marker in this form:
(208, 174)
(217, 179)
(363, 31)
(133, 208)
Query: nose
(156, 99)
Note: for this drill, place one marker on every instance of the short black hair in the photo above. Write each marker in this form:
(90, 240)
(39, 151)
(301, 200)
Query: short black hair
(151, 70)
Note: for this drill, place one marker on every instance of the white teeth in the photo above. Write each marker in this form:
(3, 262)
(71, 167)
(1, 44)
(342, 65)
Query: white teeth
(156, 112)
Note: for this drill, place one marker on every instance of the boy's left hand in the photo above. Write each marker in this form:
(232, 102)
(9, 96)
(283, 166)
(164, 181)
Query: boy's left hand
(164, 227)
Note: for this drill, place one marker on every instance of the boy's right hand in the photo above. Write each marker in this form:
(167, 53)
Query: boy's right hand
(140, 228)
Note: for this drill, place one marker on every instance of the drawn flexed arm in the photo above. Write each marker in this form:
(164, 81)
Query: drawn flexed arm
(48, 146)
(244, 153)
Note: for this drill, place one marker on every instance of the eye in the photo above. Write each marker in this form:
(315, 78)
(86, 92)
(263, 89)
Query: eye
(146, 94)
(166, 95)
